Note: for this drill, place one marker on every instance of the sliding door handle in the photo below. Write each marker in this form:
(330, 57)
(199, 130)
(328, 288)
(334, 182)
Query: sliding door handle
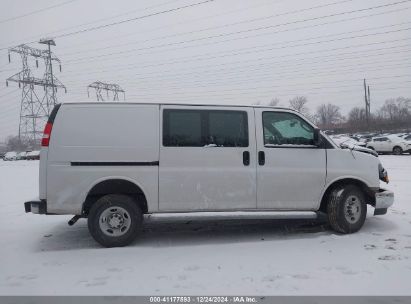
(246, 158)
(261, 158)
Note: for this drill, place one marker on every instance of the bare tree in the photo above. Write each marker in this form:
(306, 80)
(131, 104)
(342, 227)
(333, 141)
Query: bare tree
(329, 115)
(14, 143)
(298, 104)
(274, 102)
(397, 109)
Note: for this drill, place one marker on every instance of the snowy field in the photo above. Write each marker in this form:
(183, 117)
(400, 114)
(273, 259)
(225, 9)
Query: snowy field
(42, 255)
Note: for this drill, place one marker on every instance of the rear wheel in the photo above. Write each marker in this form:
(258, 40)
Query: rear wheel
(347, 209)
(397, 150)
(114, 220)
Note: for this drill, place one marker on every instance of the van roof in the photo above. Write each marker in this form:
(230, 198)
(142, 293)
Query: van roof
(172, 104)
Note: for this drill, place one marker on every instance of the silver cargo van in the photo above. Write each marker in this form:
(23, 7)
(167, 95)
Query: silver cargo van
(114, 162)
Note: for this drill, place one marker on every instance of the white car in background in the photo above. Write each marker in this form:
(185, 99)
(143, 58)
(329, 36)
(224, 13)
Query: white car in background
(346, 141)
(21, 156)
(33, 155)
(10, 156)
(389, 144)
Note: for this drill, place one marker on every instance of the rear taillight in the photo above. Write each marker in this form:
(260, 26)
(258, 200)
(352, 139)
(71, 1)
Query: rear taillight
(46, 135)
(47, 130)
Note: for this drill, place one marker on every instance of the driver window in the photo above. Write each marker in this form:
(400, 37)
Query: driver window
(282, 128)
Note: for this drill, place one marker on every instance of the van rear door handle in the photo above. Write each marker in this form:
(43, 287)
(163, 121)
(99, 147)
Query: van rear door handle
(246, 158)
(261, 158)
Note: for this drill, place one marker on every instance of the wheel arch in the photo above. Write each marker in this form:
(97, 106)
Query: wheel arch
(114, 185)
(367, 190)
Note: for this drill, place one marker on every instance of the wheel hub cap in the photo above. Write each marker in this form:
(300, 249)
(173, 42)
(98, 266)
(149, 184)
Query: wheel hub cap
(352, 209)
(115, 221)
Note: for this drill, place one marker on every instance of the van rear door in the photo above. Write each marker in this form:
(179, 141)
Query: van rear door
(207, 158)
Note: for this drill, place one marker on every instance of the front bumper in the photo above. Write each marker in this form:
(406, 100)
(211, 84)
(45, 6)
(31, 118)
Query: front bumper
(37, 207)
(383, 200)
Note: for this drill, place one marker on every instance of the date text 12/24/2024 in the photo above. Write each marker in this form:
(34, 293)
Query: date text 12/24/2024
(203, 299)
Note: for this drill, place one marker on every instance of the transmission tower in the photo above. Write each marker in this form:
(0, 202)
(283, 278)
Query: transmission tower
(35, 107)
(108, 87)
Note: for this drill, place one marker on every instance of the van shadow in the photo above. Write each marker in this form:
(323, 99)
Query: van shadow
(192, 232)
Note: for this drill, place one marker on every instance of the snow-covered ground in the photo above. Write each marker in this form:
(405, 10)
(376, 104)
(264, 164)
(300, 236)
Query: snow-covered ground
(42, 255)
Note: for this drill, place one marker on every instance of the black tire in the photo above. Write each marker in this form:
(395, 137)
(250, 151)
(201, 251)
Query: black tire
(341, 205)
(397, 150)
(112, 203)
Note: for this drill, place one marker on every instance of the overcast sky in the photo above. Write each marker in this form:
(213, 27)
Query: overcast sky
(223, 51)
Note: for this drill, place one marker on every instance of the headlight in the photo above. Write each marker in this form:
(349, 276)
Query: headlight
(383, 174)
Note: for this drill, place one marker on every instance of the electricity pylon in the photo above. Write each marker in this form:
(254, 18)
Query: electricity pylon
(35, 108)
(108, 87)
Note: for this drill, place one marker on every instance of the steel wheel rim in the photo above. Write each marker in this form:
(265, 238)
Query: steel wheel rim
(352, 209)
(115, 221)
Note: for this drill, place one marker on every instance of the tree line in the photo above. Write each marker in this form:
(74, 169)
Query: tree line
(393, 115)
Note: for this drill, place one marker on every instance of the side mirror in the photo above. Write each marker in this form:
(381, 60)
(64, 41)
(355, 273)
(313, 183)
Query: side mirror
(317, 137)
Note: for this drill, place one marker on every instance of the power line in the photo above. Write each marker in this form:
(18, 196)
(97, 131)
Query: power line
(198, 98)
(94, 28)
(180, 23)
(135, 18)
(234, 64)
(231, 33)
(353, 81)
(115, 16)
(229, 53)
(36, 11)
(199, 58)
(222, 26)
(258, 89)
(240, 38)
(98, 20)
(237, 71)
(299, 75)
(1, 96)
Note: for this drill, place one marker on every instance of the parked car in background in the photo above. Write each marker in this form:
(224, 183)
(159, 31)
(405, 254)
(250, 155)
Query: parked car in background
(389, 144)
(33, 155)
(407, 137)
(346, 141)
(10, 156)
(21, 156)
(402, 135)
(365, 137)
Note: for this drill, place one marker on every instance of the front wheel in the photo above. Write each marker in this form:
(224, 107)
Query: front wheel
(114, 220)
(347, 209)
(397, 150)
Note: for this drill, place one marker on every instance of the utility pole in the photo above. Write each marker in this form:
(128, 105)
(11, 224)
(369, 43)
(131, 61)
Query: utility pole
(367, 103)
(34, 108)
(108, 87)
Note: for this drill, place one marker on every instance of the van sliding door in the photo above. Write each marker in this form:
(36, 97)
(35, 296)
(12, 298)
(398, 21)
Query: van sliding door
(207, 158)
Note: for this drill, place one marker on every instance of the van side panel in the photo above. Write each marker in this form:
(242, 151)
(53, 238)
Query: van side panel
(99, 139)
